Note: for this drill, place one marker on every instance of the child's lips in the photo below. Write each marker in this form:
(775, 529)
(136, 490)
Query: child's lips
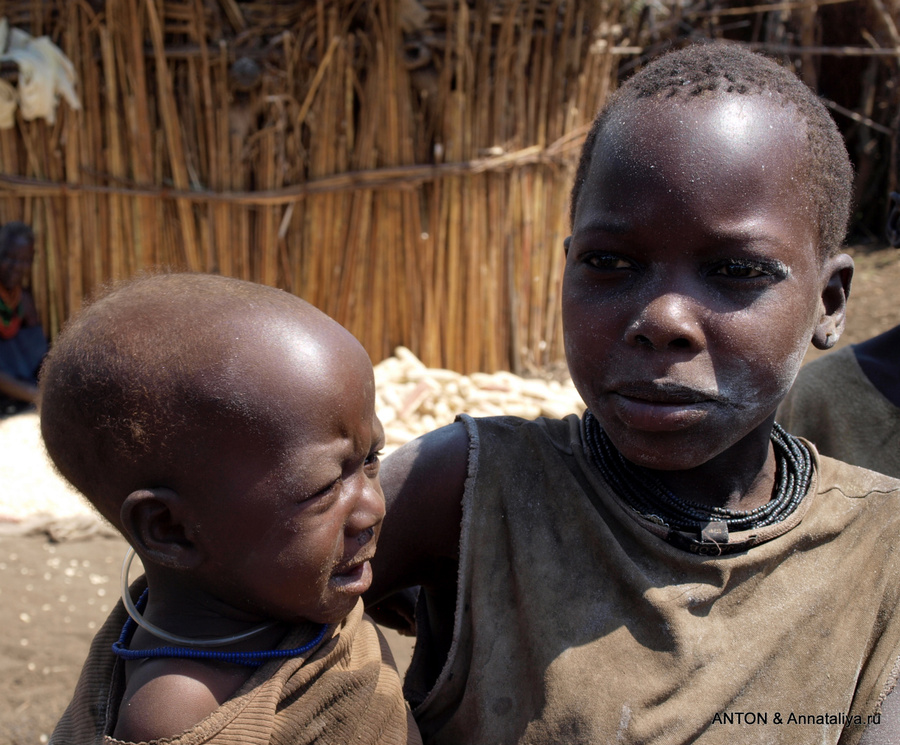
(662, 407)
(354, 579)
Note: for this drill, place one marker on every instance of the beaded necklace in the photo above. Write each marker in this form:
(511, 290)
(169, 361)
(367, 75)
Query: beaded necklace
(647, 496)
(236, 658)
(167, 636)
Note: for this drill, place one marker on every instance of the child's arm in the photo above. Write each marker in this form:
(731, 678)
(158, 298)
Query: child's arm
(423, 485)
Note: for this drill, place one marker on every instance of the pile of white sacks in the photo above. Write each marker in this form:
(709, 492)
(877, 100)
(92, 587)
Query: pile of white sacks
(412, 399)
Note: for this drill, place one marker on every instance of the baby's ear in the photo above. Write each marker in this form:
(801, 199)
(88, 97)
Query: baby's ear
(837, 273)
(156, 521)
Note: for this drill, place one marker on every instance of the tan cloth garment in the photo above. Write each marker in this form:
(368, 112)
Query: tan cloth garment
(576, 624)
(346, 691)
(834, 405)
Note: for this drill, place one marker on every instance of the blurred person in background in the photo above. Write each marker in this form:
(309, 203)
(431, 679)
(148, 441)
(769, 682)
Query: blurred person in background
(22, 341)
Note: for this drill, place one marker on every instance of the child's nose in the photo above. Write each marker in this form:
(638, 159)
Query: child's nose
(667, 321)
(368, 512)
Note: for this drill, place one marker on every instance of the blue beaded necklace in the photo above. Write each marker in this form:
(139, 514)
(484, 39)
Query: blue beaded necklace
(236, 658)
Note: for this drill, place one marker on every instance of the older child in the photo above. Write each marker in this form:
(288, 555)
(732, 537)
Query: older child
(673, 567)
(228, 431)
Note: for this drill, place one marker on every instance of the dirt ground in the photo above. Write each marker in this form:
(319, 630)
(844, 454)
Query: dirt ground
(53, 596)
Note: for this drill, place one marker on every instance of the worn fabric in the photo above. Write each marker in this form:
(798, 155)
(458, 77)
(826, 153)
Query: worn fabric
(834, 405)
(576, 623)
(347, 690)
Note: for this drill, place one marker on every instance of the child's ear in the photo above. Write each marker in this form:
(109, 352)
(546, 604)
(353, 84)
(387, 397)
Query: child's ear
(157, 524)
(837, 273)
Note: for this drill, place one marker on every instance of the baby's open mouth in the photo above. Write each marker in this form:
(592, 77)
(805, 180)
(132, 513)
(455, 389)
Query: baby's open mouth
(354, 577)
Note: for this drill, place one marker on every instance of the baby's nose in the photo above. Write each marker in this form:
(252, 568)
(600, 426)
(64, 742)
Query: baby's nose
(368, 511)
(365, 536)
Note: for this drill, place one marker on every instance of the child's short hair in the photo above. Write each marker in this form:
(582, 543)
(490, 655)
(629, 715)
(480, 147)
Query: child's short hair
(138, 374)
(721, 68)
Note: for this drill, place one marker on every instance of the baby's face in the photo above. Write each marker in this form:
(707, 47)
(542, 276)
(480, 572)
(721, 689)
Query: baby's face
(293, 503)
(692, 285)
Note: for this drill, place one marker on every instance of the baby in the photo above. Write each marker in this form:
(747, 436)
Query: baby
(228, 431)
(673, 567)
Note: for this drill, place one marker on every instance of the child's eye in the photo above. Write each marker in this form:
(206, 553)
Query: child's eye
(750, 270)
(326, 490)
(607, 262)
(373, 461)
(742, 271)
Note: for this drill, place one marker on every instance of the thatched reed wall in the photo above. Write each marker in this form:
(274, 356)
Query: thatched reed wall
(407, 172)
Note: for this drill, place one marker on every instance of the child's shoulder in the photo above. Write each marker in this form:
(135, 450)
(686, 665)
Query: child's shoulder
(512, 434)
(854, 482)
(514, 426)
(166, 697)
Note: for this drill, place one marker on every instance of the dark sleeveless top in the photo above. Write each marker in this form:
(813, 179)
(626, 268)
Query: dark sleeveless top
(576, 623)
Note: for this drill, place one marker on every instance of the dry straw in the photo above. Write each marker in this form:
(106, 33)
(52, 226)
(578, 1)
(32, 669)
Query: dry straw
(403, 165)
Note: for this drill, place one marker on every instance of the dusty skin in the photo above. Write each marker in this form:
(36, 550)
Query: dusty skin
(53, 596)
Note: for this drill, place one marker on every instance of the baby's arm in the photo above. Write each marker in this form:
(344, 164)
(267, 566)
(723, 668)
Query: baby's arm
(166, 697)
(423, 484)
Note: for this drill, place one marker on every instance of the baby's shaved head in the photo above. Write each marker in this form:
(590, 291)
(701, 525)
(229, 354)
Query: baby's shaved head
(155, 366)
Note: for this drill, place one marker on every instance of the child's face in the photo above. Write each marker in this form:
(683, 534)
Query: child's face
(290, 512)
(693, 284)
